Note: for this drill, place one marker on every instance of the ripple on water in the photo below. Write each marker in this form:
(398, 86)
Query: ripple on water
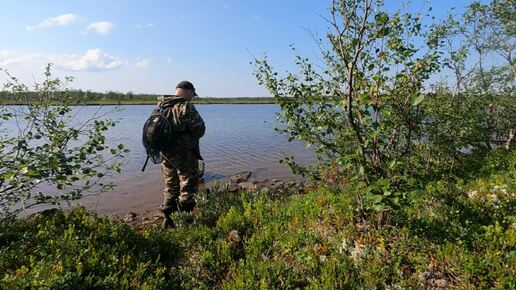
(238, 138)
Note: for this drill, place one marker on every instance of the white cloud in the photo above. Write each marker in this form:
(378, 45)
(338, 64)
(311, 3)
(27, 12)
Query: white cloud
(92, 60)
(169, 60)
(102, 27)
(6, 53)
(143, 63)
(61, 20)
(148, 25)
(10, 58)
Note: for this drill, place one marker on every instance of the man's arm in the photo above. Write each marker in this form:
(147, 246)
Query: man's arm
(194, 122)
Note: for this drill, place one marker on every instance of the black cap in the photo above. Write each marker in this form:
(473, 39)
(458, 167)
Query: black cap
(187, 86)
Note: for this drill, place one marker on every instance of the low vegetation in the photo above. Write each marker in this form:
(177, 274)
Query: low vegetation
(452, 234)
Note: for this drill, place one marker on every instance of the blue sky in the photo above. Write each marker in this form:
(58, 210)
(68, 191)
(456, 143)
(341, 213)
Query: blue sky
(149, 46)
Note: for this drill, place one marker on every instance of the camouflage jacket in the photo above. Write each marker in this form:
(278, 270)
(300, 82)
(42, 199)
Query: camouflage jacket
(186, 122)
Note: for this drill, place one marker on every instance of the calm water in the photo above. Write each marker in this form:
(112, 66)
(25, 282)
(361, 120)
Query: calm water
(238, 138)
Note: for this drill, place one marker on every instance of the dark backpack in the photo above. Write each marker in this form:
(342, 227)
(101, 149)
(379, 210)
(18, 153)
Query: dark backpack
(157, 135)
(158, 132)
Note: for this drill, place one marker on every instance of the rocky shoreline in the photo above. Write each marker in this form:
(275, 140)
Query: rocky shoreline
(236, 183)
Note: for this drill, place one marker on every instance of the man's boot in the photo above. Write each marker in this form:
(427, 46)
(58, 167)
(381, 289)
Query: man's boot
(167, 220)
(187, 206)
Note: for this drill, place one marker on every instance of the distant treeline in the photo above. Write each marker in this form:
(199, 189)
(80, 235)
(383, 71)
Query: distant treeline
(80, 97)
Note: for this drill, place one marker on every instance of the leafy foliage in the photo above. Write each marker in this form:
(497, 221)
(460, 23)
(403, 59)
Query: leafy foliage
(452, 234)
(362, 112)
(79, 250)
(475, 109)
(49, 155)
(367, 108)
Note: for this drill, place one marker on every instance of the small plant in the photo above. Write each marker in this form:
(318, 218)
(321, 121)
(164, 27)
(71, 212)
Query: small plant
(48, 154)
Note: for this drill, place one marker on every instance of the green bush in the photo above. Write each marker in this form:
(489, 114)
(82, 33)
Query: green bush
(47, 143)
(78, 249)
(444, 237)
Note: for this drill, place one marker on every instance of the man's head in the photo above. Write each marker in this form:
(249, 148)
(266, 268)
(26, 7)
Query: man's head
(186, 90)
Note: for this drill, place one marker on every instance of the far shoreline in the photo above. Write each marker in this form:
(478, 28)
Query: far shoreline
(139, 104)
(101, 99)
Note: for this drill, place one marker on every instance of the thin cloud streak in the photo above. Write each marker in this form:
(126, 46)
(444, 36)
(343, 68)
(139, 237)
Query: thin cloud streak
(148, 25)
(102, 27)
(61, 20)
(143, 63)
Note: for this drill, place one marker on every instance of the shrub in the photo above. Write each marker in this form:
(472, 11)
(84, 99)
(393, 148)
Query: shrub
(48, 145)
(78, 249)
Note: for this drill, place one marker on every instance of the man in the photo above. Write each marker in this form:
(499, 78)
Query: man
(180, 160)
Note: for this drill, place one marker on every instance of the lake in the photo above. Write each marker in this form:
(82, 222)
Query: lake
(238, 138)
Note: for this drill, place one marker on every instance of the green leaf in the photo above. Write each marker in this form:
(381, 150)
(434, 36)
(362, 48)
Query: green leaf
(379, 207)
(8, 175)
(417, 99)
(375, 198)
(395, 201)
(33, 173)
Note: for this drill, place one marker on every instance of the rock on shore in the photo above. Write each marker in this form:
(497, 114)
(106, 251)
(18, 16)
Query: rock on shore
(237, 182)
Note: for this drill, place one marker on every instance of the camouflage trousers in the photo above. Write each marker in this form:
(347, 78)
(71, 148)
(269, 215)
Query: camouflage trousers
(181, 179)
